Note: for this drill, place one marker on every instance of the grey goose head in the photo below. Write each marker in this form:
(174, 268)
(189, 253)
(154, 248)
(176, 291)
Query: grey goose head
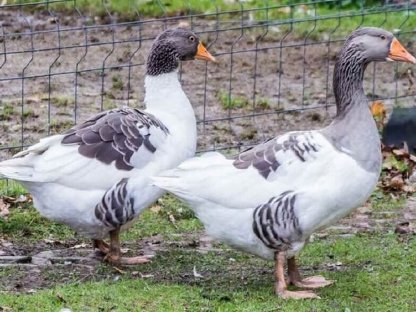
(363, 46)
(376, 45)
(174, 45)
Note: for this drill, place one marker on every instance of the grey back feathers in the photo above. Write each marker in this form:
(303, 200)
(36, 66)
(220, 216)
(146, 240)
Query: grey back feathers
(264, 158)
(115, 135)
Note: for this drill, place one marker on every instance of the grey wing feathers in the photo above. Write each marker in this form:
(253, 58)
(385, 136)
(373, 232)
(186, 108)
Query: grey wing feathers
(264, 158)
(115, 135)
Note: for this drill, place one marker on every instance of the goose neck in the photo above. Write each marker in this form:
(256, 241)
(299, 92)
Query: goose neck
(348, 80)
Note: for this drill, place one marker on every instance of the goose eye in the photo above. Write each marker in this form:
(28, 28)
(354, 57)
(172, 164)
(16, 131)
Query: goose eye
(383, 37)
(192, 38)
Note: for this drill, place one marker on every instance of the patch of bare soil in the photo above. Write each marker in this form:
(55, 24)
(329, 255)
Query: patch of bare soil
(276, 81)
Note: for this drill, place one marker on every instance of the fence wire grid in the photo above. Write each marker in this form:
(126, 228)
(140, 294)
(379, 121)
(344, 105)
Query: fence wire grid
(59, 64)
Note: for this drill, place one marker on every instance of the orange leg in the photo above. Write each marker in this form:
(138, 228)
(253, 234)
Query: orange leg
(280, 284)
(312, 282)
(114, 254)
(101, 245)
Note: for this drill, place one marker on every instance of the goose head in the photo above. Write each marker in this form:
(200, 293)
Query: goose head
(363, 46)
(172, 46)
(377, 45)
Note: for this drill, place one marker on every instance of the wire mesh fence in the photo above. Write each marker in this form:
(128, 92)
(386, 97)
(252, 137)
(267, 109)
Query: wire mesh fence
(61, 62)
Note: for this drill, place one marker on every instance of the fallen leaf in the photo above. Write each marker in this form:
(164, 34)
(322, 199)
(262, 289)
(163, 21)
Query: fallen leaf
(52, 241)
(146, 275)
(4, 209)
(173, 220)
(408, 188)
(403, 228)
(397, 182)
(155, 208)
(83, 245)
(124, 250)
(196, 274)
(60, 298)
(20, 199)
(399, 152)
(118, 270)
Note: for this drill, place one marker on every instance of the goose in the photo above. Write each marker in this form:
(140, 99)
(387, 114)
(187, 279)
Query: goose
(95, 177)
(269, 199)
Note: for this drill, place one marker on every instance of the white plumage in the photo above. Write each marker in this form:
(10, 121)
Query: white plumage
(96, 176)
(224, 197)
(270, 199)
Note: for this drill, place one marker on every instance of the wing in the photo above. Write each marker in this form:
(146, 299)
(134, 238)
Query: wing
(285, 163)
(118, 135)
(96, 154)
(292, 148)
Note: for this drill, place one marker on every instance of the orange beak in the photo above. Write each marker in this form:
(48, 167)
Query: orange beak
(399, 53)
(203, 54)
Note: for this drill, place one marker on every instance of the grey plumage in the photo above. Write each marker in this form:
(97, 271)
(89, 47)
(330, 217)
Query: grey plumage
(114, 135)
(275, 223)
(116, 207)
(263, 156)
(170, 47)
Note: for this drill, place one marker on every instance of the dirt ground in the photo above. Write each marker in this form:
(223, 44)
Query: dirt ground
(48, 263)
(51, 79)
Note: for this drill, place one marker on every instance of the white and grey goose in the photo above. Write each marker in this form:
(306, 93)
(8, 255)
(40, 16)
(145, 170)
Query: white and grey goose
(95, 177)
(271, 198)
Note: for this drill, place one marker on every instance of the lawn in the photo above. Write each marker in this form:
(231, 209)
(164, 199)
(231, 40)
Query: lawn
(374, 268)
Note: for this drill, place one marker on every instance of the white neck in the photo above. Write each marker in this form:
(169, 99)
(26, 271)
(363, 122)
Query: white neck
(166, 100)
(164, 95)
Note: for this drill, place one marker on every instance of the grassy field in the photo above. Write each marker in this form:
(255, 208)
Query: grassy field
(374, 270)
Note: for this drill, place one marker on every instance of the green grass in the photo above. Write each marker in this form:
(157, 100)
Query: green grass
(11, 188)
(62, 101)
(6, 111)
(373, 271)
(229, 101)
(379, 277)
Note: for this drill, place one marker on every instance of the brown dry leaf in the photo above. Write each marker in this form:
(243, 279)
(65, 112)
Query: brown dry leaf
(397, 182)
(403, 228)
(119, 270)
(4, 209)
(399, 152)
(408, 188)
(20, 199)
(83, 245)
(155, 208)
(53, 241)
(60, 298)
(172, 219)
